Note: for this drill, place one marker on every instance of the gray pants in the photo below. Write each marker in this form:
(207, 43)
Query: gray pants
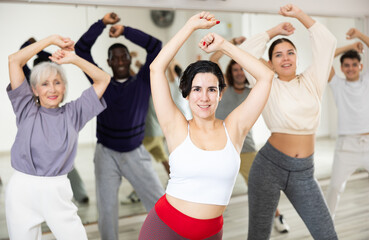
(273, 171)
(137, 168)
(78, 187)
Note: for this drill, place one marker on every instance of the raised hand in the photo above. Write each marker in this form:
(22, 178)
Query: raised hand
(63, 57)
(110, 18)
(211, 42)
(203, 20)
(289, 10)
(285, 29)
(133, 54)
(352, 33)
(62, 42)
(116, 30)
(358, 46)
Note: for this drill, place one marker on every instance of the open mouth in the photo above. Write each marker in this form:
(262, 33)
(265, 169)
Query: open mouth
(203, 106)
(287, 65)
(52, 97)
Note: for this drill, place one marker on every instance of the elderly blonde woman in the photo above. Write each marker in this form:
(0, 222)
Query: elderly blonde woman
(46, 142)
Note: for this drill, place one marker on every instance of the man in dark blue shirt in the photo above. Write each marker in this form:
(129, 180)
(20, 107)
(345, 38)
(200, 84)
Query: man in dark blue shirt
(120, 127)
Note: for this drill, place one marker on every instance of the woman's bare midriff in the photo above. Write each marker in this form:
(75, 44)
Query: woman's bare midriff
(196, 210)
(297, 146)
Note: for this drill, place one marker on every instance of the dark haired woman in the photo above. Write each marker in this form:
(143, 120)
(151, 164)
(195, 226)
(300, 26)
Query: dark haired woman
(204, 152)
(292, 115)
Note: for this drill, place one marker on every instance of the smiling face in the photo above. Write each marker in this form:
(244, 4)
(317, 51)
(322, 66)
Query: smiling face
(239, 78)
(283, 61)
(50, 91)
(351, 67)
(204, 95)
(120, 62)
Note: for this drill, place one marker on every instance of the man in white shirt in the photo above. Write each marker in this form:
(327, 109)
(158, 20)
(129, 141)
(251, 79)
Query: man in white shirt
(352, 97)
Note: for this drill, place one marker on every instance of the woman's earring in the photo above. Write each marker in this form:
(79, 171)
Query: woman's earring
(37, 99)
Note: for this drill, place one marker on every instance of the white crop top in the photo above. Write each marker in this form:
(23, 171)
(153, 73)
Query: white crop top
(202, 176)
(294, 107)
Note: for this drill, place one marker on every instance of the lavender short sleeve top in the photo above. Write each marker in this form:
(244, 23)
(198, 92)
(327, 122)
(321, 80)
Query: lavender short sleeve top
(46, 140)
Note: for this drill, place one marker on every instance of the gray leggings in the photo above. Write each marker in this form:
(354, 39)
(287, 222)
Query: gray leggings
(273, 171)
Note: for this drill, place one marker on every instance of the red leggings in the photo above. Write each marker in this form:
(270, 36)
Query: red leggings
(164, 222)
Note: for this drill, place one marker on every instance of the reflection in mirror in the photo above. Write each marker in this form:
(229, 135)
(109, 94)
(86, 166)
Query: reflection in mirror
(22, 21)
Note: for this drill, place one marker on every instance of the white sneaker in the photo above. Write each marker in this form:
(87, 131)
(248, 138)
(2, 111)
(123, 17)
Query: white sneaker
(280, 224)
(131, 198)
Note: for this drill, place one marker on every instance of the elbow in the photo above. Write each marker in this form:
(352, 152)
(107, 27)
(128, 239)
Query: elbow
(14, 60)
(11, 59)
(154, 67)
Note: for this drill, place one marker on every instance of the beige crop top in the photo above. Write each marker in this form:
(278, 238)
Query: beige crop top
(294, 107)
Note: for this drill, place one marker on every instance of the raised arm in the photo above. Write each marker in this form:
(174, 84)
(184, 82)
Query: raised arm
(219, 54)
(357, 46)
(323, 45)
(169, 115)
(19, 59)
(355, 33)
(88, 39)
(151, 44)
(240, 120)
(256, 45)
(42, 54)
(293, 11)
(171, 71)
(100, 78)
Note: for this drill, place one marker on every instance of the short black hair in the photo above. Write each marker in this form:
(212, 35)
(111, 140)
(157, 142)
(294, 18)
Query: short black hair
(114, 46)
(202, 66)
(350, 54)
(275, 43)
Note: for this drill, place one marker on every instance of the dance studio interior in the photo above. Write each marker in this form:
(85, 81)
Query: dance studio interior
(21, 20)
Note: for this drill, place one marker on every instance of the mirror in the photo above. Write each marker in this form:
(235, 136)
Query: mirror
(20, 21)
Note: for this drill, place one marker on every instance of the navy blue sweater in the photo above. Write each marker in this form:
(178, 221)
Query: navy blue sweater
(121, 125)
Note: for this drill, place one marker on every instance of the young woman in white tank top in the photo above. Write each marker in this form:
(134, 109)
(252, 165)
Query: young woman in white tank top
(204, 152)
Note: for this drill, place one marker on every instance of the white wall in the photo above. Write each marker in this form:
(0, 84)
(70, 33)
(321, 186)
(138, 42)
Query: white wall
(342, 8)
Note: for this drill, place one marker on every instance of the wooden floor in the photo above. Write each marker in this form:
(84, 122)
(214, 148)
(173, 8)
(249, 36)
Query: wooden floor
(352, 219)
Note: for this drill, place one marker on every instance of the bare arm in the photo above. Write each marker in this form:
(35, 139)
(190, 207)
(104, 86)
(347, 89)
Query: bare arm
(171, 70)
(283, 29)
(357, 46)
(244, 116)
(100, 78)
(355, 33)
(293, 11)
(219, 54)
(169, 116)
(17, 60)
